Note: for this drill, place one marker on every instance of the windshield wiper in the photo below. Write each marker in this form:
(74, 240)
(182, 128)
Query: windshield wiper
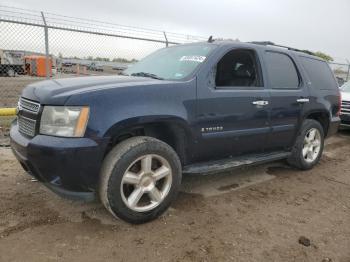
(145, 74)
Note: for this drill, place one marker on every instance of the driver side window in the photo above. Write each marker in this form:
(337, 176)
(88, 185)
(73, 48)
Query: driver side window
(238, 68)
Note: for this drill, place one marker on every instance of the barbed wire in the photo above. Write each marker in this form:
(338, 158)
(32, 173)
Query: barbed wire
(69, 22)
(74, 46)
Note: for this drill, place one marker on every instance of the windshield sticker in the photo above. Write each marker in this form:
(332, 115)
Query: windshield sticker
(178, 75)
(193, 58)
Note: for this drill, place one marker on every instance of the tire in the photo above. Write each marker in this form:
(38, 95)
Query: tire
(120, 190)
(303, 142)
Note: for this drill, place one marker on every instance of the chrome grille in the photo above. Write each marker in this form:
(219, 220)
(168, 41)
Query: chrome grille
(345, 108)
(28, 105)
(26, 126)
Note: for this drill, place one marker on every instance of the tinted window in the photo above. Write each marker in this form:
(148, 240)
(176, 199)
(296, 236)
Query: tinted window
(238, 68)
(320, 74)
(281, 71)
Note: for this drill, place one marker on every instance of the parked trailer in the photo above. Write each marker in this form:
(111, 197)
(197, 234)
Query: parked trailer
(11, 62)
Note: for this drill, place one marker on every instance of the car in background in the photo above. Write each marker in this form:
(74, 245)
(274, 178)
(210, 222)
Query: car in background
(95, 67)
(67, 64)
(119, 67)
(345, 105)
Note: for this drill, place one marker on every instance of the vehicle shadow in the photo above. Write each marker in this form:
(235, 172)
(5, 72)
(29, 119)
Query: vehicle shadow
(344, 131)
(223, 182)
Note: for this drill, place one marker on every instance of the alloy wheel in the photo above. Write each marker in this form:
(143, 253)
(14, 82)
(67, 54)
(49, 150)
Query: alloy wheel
(146, 183)
(312, 145)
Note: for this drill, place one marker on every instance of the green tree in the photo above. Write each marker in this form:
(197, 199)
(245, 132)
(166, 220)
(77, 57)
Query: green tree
(105, 59)
(124, 60)
(324, 56)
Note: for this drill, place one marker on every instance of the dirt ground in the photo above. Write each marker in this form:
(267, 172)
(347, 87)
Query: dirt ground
(252, 214)
(11, 88)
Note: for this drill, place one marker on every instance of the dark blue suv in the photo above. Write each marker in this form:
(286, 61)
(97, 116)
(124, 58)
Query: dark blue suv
(195, 108)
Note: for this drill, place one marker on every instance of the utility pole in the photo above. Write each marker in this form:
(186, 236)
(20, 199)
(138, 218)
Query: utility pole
(166, 40)
(47, 62)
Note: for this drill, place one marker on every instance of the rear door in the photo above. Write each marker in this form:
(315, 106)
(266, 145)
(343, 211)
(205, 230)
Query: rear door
(288, 96)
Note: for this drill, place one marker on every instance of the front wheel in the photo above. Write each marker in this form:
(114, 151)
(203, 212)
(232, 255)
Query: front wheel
(139, 179)
(308, 147)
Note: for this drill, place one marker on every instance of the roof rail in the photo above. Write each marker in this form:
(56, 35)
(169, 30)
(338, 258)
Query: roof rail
(282, 46)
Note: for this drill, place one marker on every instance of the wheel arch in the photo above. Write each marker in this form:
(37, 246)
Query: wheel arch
(172, 130)
(321, 116)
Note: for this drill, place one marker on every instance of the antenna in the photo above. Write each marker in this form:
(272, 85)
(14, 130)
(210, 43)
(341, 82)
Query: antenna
(210, 39)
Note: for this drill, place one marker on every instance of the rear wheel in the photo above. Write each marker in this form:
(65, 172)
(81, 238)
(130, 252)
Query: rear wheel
(308, 147)
(140, 178)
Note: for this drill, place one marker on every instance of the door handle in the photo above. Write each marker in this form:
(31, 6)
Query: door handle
(303, 100)
(260, 103)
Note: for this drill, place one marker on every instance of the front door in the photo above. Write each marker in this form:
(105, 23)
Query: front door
(232, 107)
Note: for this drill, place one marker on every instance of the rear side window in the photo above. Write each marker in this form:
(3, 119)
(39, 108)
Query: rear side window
(281, 71)
(320, 74)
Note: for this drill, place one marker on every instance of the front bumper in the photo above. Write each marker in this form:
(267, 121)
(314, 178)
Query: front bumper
(68, 166)
(345, 120)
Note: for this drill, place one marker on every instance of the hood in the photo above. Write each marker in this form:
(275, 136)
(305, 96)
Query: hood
(345, 96)
(57, 91)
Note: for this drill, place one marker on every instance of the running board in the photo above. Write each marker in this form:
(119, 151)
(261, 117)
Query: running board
(206, 168)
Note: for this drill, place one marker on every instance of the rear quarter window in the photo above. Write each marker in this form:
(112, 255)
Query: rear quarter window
(319, 73)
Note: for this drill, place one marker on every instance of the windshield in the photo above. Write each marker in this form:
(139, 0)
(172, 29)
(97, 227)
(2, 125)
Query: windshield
(346, 87)
(173, 63)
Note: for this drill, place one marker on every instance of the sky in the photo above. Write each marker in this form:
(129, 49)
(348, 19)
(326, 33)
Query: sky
(317, 25)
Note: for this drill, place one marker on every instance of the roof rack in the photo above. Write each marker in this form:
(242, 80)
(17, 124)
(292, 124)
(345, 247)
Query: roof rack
(282, 46)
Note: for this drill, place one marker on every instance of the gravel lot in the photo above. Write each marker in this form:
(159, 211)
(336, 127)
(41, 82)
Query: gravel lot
(11, 87)
(254, 214)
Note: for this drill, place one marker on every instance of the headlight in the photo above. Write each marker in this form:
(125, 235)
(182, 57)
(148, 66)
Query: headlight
(67, 121)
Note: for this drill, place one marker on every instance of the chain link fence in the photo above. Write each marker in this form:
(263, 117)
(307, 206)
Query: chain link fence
(36, 45)
(341, 71)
